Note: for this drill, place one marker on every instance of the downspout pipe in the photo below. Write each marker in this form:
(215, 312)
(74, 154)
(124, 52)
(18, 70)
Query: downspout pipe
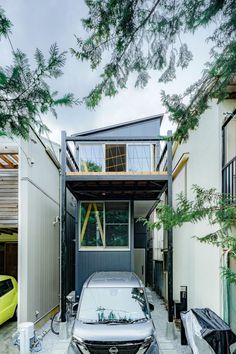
(63, 247)
(170, 232)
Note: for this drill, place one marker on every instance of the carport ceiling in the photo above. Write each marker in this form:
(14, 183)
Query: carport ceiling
(8, 231)
(119, 189)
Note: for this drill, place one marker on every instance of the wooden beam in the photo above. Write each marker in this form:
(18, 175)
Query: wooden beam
(99, 223)
(8, 161)
(156, 173)
(85, 222)
(180, 164)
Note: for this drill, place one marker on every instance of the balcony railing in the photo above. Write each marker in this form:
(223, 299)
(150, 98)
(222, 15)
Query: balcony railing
(229, 179)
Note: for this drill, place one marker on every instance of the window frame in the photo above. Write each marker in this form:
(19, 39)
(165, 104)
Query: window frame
(89, 144)
(126, 155)
(151, 146)
(104, 248)
(127, 143)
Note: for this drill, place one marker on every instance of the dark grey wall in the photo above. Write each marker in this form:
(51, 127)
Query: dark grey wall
(71, 207)
(89, 262)
(140, 234)
(148, 128)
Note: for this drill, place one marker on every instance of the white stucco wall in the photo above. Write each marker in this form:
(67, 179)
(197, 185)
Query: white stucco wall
(197, 265)
(38, 262)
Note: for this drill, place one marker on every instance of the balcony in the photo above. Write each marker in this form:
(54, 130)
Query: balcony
(229, 179)
(115, 170)
(229, 157)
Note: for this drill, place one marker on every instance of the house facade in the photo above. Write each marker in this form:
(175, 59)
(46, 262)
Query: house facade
(207, 159)
(115, 177)
(29, 223)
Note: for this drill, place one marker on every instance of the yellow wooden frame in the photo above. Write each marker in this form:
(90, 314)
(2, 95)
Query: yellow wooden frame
(94, 205)
(180, 164)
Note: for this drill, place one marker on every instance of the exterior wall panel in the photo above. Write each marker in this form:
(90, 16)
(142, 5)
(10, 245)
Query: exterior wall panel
(89, 262)
(198, 265)
(38, 231)
(149, 128)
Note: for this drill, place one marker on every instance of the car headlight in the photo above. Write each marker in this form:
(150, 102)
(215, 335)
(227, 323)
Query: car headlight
(79, 344)
(146, 344)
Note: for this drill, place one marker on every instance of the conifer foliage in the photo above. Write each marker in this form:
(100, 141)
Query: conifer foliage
(24, 92)
(137, 36)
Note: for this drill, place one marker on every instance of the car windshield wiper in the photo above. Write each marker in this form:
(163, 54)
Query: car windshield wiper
(140, 319)
(117, 320)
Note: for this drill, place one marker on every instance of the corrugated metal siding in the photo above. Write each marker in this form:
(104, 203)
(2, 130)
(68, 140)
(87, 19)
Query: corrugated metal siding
(8, 198)
(95, 261)
(43, 253)
(38, 232)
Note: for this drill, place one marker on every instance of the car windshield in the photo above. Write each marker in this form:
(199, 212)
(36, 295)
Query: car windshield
(113, 305)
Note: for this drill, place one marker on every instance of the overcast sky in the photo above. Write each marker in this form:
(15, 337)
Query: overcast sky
(39, 23)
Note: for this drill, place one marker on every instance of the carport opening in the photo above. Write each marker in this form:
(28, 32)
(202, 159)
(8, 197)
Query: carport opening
(8, 215)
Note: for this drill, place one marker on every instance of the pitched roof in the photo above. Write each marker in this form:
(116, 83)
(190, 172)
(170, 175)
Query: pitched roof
(120, 125)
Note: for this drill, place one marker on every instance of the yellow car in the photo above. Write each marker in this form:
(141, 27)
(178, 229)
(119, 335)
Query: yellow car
(8, 298)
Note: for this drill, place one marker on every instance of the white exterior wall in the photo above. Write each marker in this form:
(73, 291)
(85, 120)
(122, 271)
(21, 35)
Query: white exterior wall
(197, 265)
(38, 262)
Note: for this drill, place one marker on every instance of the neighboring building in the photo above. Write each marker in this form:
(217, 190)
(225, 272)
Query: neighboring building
(29, 222)
(113, 173)
(207, 159)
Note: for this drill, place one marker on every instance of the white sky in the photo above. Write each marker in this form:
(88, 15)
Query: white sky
(43, 22)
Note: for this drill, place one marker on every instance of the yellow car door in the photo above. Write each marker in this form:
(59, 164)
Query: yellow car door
(8, 298)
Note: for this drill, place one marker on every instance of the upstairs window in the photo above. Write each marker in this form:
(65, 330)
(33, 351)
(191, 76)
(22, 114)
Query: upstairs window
(130, 157)
(139, 158)
(91, 157)
(115, 158)
(230, 140)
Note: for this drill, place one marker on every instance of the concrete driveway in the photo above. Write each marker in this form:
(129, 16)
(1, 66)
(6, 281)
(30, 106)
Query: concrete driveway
(6, 331)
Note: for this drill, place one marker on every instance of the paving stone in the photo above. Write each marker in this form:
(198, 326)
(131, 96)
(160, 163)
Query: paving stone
(166, 345)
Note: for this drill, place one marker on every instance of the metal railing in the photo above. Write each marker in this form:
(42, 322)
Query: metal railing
(229, 179)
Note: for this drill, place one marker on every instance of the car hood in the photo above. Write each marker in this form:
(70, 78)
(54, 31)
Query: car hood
(113, 332)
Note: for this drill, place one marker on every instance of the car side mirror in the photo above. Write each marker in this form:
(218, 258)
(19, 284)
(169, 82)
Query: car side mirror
(151, 306)
(75, 307)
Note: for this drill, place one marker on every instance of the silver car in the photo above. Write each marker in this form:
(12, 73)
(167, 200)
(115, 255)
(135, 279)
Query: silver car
(113, 317)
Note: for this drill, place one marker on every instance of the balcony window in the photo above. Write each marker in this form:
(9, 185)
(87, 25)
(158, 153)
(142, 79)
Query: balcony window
(115, 158)
(139, 158)
(104, 225)
(230, 140)
(91, 157)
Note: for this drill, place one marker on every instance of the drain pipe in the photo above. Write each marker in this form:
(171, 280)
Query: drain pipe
(63, 243)
(225, 307)
(170, 330)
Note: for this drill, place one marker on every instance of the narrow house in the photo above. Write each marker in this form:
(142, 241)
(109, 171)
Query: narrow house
(114, 175)
(207, 159)
(29, 223)
(8, 209)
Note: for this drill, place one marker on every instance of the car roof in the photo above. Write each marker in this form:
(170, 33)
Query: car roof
(113, 279)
